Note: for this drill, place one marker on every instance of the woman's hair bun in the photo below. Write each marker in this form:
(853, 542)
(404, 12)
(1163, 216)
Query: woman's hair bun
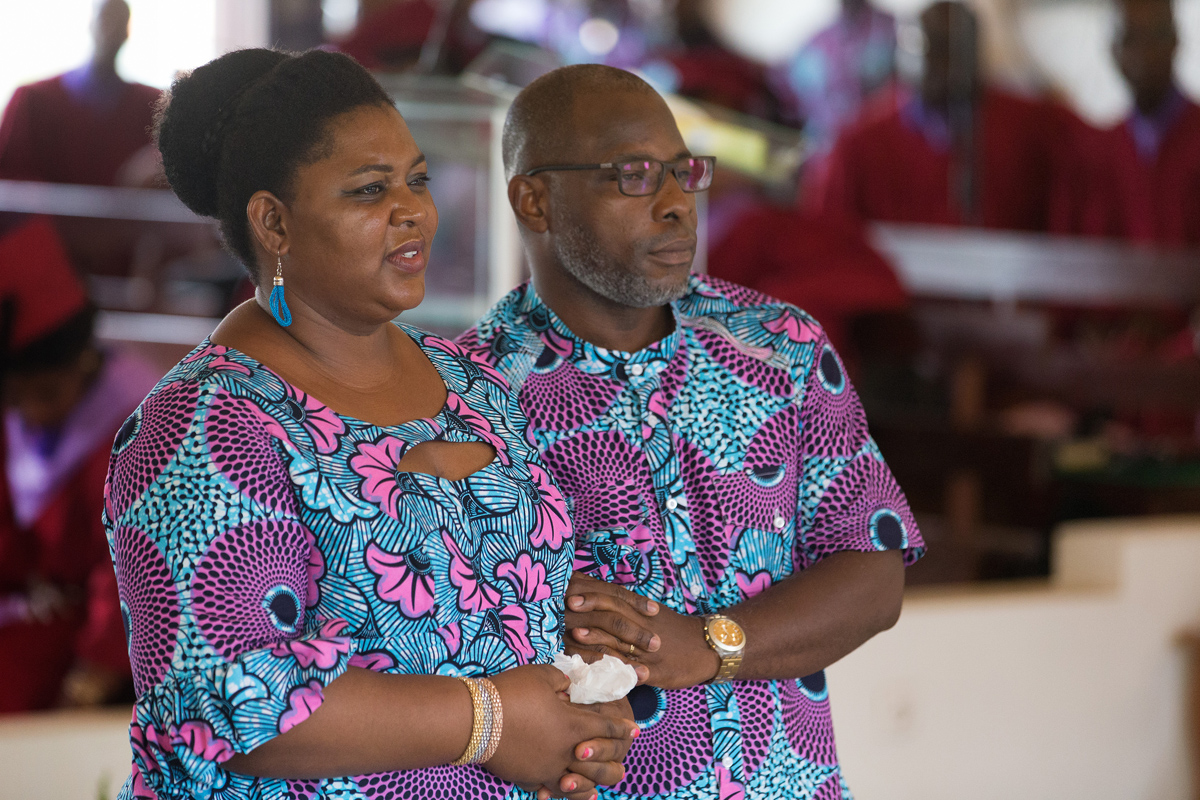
(191, 120)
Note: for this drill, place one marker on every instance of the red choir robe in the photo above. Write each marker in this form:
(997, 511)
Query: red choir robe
(824, 267)
(65, 548)
(54, 133)
(1104, 187)
(886, 168)
(50, 532)
(49, 135)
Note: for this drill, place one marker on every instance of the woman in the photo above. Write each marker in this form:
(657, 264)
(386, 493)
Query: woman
(321, 520)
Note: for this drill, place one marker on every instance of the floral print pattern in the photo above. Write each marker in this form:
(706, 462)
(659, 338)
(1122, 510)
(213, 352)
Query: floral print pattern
(263, 544)
(700, 471)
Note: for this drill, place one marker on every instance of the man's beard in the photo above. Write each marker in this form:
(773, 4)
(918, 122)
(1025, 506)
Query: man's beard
(578, 251)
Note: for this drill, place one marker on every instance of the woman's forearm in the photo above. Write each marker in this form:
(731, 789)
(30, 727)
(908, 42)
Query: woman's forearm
(370, 722)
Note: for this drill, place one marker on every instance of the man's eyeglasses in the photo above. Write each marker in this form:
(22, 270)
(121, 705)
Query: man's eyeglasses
(644, 176)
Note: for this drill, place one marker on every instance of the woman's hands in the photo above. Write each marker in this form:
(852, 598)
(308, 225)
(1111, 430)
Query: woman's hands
(669, 648)
(565, 750)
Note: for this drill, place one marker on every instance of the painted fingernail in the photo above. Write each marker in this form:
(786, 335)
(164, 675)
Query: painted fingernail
(570, 786)
(634, 733)
(587, 753)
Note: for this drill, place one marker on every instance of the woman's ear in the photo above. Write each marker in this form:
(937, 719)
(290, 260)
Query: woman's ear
(530, 202)
(268, 222)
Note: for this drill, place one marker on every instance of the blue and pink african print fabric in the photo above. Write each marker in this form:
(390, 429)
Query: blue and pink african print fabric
(729, 455)
(263, 544)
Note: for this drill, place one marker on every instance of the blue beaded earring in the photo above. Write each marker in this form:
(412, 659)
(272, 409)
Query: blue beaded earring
(279, 309)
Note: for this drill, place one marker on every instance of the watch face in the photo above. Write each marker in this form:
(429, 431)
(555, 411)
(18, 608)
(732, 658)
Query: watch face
(726, 632)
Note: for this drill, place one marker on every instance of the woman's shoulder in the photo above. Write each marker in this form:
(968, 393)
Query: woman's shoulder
(211, 365)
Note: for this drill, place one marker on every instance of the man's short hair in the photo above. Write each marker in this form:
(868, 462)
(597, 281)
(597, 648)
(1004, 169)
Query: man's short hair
(538, 126)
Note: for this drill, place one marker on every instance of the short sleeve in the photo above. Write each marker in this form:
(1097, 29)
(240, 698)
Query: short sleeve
(217, 581)
(848, 498)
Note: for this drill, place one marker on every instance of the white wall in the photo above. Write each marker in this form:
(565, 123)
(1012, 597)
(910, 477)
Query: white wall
(1068, 690)
(76, 755)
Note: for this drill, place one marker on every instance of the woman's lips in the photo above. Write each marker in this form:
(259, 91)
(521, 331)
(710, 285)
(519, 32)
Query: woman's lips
(409, 256)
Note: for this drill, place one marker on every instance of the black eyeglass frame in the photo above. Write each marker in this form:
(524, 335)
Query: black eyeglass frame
(662, 176)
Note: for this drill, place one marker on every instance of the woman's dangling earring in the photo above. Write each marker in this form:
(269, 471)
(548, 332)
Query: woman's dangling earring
(279, 309)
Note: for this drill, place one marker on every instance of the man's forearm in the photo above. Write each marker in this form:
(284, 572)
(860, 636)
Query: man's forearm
(811, 619)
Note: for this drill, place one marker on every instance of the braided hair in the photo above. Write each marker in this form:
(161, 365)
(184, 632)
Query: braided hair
(246, 121)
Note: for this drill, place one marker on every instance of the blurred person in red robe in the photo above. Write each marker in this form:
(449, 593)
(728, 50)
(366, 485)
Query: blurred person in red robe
(88, 126)
(61, 629)
(953, 152)
(1140, 179)
(697, 64)
(83, 126)
(432, 36)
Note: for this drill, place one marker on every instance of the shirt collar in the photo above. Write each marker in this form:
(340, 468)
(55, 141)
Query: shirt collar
(929, 122)
(1149, 130)
(587, 357)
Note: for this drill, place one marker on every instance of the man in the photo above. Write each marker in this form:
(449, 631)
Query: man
(88, 127)
(81, 127)
(830, 78)
(61, 628)
(1139, 180)
(954, 152)
(713, 452)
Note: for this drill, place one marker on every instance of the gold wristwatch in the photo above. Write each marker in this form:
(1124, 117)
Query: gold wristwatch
(729, 640)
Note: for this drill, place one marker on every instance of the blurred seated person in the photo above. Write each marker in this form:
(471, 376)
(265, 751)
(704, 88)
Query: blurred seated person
(81, 127)
(1139, 180)
(699, 66)
(61, 627)
(953, 151)
(826, 82)
(619, 33)
(391, 35)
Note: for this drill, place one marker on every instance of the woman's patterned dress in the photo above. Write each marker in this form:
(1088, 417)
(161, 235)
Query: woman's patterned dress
(264, 543)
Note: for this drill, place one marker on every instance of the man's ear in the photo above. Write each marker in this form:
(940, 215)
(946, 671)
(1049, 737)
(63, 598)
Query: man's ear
(268, 222)
(530, 202)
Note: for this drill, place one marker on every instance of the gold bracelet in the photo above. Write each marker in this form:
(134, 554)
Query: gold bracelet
(497, 721)
(478, 723)
(487, 722)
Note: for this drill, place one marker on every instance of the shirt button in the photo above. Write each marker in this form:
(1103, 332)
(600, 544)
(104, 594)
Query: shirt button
(636, 369)
(672, 504)
(727, 761)
(779, 521)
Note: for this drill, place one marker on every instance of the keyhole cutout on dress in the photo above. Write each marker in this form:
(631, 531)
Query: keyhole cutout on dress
(450, 460)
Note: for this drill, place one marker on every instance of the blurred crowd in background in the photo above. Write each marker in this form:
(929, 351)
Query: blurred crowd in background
(897, 122)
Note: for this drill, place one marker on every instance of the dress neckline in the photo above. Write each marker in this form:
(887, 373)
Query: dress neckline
(435, 423)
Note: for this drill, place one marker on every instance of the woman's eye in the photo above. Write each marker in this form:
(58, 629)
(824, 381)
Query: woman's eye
(419, 180)
(370, 189)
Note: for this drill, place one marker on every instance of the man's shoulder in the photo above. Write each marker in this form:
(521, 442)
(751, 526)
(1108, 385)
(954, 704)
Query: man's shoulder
(37, 92)
(505, 337)
(751, 318)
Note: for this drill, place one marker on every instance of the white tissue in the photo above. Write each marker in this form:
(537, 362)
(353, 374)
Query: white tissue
(606, 680)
